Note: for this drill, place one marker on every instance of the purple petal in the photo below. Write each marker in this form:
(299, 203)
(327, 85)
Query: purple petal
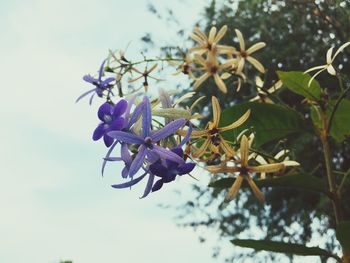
(157, 185)
(130, 104)
(135, 115)
(125, 172)
(107, 156)
(171, 164)
(158, 169)
(138, 161)
(148, 186)
(117, 124)
(100, 72)
(92, 96)
(152, 157)
(130, 183)
(113, 159)
(146, 118)
(99, 132)
(120, 108)
(178, 151)
(105, 109)
(187, 137)
(108, 140)
(125, 154)
(105, 82)
(186, 168)
(84, 94)
(168, 155)
(169, 129)
(89, 78)
(126, 137)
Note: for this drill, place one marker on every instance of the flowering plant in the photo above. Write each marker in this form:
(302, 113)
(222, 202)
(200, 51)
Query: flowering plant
(160, 138)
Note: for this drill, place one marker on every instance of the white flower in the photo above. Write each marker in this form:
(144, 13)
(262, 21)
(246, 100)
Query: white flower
(329, 60)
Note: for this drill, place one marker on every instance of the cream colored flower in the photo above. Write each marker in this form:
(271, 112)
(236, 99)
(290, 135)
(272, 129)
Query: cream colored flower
(212, 68)
(281, 156)
(212, 135)
(329, 60)
(245, 54)
(184, 67)
(264, 93)
(234, 71)
(210, 43)
(244, 171)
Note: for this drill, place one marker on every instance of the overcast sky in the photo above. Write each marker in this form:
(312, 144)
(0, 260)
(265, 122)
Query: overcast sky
(54, 203)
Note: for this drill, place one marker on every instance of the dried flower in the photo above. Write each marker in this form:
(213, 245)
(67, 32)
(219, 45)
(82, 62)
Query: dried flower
(145, 75)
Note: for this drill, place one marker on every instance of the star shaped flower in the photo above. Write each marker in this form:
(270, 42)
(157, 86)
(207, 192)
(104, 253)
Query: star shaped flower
(263, 93)
(212, 68)
(244, 170)
(112, 120)
(145, 75)
(210, 43)
(100, 84)
(168, 170)
(147, 142)
(245, 54)
(329, 60)
(212, 134)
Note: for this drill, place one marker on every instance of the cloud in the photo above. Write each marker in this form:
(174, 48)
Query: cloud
(54, 203)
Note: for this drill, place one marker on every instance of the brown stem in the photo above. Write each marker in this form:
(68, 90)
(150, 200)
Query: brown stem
(336, 200)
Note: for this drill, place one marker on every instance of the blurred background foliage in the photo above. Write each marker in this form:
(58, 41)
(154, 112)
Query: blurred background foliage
(298, 34)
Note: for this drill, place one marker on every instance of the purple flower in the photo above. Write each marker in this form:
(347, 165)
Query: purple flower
(100, 85)
(129, 121)
(112, 120)
(168, 170)
(148, 139)
(126, 158)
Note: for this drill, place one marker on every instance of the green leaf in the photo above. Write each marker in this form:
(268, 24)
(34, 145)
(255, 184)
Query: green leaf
(340, 128)
(298, 83)
(299, 181)
(281, 247)
(269, 121)
(343, 235)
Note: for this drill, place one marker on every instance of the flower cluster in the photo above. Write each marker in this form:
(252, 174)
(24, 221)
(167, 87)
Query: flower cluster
(160, 139)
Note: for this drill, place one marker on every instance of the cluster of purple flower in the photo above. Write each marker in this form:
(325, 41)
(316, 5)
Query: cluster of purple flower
(143, 149)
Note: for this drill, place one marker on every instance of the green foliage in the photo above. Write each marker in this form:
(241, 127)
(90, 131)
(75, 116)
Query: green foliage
(343, 235)
(340, 127)
(298, 82)
(297, 181)
(297, 35)
(281, 247)
(270, 122)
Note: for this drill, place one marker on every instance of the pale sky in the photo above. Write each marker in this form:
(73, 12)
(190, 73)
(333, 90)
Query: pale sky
(54, 203)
